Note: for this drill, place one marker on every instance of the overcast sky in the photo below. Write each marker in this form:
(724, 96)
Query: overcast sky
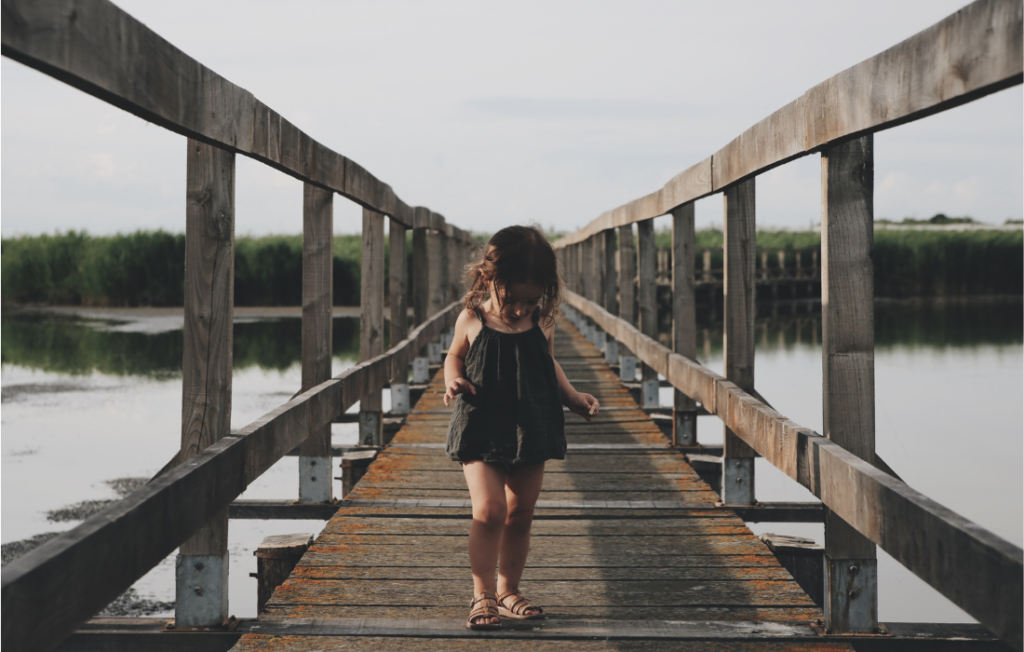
(494, 114)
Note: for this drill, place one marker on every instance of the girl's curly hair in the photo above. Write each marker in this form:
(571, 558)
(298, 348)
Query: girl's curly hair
(516, 254)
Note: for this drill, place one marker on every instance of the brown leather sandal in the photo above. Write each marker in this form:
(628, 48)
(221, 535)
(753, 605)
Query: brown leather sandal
(482, 609)
(512, 604)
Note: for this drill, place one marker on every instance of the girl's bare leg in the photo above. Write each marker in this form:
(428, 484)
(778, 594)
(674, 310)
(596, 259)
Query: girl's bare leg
(487, 491)
(522, 487)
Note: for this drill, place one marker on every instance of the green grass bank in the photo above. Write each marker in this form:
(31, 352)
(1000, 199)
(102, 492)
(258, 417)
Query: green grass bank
(146, 268)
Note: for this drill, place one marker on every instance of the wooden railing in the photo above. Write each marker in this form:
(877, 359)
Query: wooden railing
(773, 265)
(974, 52)
(99, 49)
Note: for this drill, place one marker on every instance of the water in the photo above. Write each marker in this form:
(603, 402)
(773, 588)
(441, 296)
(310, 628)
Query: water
(948, 387)
(86, 401)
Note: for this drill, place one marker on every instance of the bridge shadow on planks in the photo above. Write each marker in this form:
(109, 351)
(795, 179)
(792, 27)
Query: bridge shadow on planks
(627, 542)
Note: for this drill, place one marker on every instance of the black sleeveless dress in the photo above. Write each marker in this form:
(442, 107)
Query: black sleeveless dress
(516, 415)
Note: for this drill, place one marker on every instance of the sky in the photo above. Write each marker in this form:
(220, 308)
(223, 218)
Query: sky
(495, 114)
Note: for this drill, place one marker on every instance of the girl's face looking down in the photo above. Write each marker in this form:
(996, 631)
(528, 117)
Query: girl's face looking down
(518, 300)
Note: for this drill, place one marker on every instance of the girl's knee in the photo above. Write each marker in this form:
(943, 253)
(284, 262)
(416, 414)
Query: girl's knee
(521, 519)
(491, 513)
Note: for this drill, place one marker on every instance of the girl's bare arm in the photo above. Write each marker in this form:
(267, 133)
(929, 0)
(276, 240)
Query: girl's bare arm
(455, 382)
(581, 403)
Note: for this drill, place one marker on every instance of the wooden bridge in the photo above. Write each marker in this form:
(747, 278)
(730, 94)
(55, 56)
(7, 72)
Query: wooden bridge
(633, 550)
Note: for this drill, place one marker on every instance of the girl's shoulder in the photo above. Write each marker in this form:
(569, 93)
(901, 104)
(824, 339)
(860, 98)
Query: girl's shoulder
(469, 322)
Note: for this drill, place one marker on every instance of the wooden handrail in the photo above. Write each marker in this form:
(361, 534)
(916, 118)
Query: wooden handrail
(101, 50)
(53, 589)
(969, 54)
(978, 571)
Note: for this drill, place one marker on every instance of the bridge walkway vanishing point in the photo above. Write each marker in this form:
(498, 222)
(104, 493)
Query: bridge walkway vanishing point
(628, 544)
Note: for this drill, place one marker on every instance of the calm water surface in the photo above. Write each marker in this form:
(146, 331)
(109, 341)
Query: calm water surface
(89, 401)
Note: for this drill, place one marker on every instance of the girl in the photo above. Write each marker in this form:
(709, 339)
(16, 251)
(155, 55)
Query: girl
(508, 392)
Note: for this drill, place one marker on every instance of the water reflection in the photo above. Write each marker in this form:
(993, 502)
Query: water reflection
(931, 323)
(76, 346)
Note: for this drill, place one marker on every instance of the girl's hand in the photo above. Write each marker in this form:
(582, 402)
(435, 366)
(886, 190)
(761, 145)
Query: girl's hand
(585, 405)
(456, 387)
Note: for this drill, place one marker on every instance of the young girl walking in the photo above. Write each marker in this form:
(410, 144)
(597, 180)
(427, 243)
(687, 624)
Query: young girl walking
(508, 392)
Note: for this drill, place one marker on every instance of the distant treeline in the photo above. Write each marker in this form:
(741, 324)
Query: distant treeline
(912, 263)
(147, 268)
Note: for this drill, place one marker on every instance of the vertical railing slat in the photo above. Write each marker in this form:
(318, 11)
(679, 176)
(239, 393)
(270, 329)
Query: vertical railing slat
(684, 318)
(315, 477)
(848, 367)
(201, 568)
(627, 298)
(371, 323)
(738, 346)
(397, 276)
(611, 297)
(647, 290)
(421, 296)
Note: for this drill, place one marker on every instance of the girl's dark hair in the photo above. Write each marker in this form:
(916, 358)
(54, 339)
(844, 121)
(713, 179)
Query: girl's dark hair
(516, 254)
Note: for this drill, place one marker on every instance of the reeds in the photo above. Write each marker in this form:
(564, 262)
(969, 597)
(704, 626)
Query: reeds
(147, 268)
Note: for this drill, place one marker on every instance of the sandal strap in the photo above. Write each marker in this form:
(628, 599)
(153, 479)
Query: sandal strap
(484, 610)
(520, 605)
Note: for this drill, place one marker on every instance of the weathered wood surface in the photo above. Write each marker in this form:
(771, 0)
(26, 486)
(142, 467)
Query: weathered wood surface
(209, 311)
(317, 339)
(392, 553)
(848, 365)
(146, 634)
(980, 572)
(101, 50)
(738, 339)
(974, 52)
(398, 279)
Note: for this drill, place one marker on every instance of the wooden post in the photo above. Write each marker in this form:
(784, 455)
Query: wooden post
(437, 249)
(708, 277)
(421, 276)
(371, 324)
(201, 568)
(684, 318)
(648, 304)
(627, 294)
(399, 314)
(611, 297)
(317, 296)
(597, 333)
(848, 367)
(275, 559)
(421, 297)
(587, 279)
(454, 269)
(738, 346)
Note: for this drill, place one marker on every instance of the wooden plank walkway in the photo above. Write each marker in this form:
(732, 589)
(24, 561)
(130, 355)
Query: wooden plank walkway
(628, 546)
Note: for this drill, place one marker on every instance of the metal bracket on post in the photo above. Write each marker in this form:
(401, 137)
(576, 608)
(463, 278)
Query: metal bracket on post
(202, 589)
(600, 338)
(627, 368)
(434, 352)
(312, 473)
(738, 481)
(611, 350)
(854, 585)
(649, 391)
(420, 370)
(684, 426)
(400, 398)
(371, 428)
